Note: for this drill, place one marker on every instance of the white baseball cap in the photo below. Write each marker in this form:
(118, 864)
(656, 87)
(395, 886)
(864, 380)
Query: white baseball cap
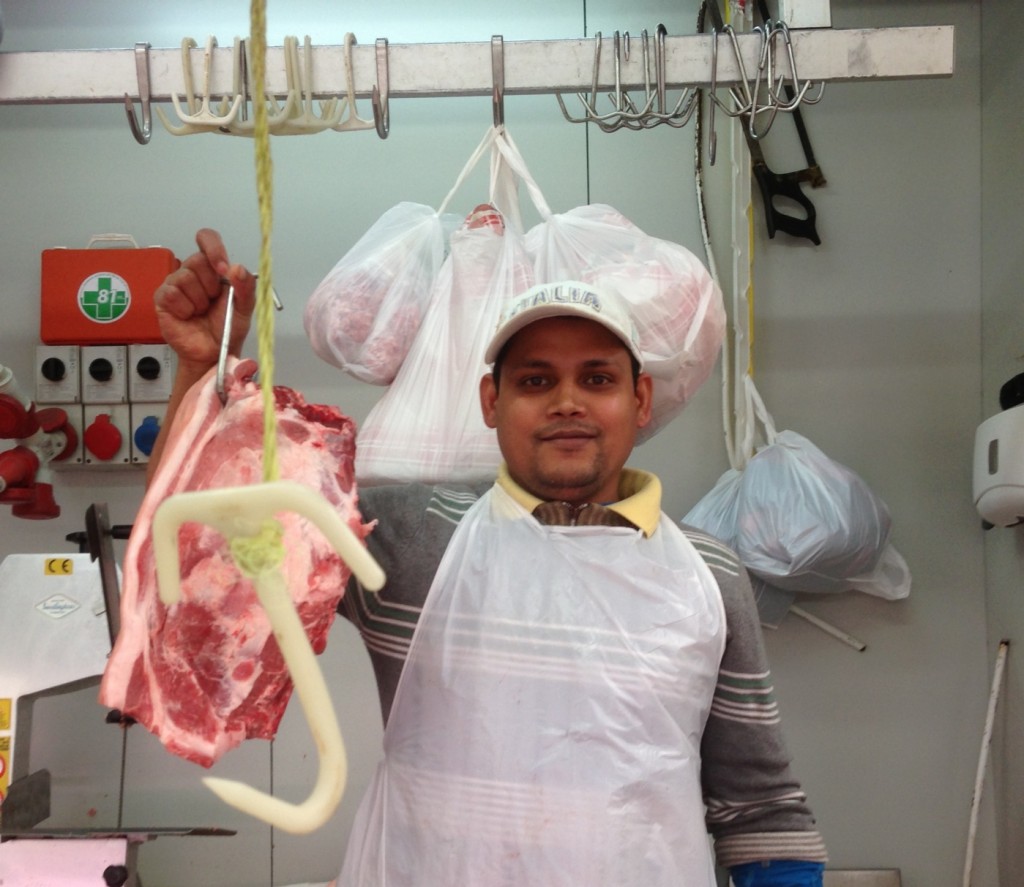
(566, 298)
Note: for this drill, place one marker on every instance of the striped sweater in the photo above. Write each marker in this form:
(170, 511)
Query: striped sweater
(756, 809)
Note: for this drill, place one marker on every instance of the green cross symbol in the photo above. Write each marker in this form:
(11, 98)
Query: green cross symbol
(104, 303)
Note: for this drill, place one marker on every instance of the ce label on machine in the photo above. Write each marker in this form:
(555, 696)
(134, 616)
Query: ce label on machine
(58, 566)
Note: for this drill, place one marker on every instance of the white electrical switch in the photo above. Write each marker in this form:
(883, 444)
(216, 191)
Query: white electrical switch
(57, 374)
(150, 373)
(104, 374)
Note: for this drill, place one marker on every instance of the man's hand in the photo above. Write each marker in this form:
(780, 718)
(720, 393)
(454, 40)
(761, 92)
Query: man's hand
(190, 306)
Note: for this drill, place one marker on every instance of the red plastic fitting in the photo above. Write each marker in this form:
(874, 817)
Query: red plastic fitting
(18, 467)
(41, 507)
(15, 420)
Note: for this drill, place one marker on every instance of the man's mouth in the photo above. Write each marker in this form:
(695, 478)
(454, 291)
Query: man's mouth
(567, 433)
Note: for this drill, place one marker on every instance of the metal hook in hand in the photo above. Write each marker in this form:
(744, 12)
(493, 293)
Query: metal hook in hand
(225, 339)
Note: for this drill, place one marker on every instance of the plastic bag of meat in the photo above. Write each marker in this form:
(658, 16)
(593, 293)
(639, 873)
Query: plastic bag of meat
(364, 314)
(206, 673)
(428, 427)
(678, 308)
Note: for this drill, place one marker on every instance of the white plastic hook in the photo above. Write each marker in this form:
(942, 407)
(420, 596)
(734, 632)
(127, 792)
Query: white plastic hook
(277, 114)
(197, 115)
(353, 120)
(242, 512)
(304, 119)
(201, 114)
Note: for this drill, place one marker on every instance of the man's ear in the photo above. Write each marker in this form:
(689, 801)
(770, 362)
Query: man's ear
(488, 400)
(644, 399)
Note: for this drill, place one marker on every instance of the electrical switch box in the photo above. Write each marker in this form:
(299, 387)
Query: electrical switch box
(104, 374)
(150, 373)
(806, 13)
(146, 421)
(106, 436)
(57, 374)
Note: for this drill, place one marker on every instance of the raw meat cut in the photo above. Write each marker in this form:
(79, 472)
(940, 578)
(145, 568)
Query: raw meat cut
(364, 315)
(428, 427)
(206, 673)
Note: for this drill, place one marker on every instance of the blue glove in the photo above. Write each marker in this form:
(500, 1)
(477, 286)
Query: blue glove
(778, 873)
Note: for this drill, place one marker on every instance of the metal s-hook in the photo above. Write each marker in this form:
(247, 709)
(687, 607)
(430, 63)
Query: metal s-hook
(588, 105)
(145, 132)
(225, 341)
(379, 96)
(498, 80)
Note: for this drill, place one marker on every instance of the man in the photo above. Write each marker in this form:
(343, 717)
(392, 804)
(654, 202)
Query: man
(574, 688)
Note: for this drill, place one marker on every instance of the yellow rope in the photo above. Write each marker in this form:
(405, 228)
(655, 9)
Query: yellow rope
(264, 191)
(260, 553)
(264, 551)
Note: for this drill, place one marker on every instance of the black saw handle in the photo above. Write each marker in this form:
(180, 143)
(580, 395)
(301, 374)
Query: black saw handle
(787, 185)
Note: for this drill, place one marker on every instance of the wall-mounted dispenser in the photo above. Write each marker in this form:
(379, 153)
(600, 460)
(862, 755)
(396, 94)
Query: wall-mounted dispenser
(999, 460)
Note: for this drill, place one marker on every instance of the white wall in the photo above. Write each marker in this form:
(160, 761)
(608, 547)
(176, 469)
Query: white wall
(869, 345)
(1002, 272)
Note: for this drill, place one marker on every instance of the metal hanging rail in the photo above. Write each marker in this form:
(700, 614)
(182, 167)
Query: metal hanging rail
(465, 69)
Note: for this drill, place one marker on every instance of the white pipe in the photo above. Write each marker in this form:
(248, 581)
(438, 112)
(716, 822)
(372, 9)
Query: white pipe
(829, 628)
(986, 741)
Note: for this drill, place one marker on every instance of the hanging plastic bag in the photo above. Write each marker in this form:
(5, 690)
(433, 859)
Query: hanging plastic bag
(807, 523)
(677, 306)
(364, 315)
(716, 512)
(800, 521)
(428, 427)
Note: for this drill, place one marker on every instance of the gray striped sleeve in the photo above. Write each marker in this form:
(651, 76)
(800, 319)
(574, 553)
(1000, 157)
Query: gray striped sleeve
(756, 809)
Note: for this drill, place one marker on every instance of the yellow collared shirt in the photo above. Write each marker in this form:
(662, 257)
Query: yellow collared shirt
(639, 497)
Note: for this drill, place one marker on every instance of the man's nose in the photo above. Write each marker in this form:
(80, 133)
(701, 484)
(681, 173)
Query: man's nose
(566, 399)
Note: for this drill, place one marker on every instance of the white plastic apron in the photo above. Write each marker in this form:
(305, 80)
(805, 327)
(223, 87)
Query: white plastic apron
(546, 728)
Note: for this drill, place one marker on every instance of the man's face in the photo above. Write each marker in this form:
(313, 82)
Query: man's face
(566, 410)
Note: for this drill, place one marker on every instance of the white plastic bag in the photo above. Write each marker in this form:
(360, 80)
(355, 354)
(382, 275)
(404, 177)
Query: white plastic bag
(678, 308)
(717, 514)
(428, 427)
(807, 523)
(717, 511)
(800, 521)
(364, 314)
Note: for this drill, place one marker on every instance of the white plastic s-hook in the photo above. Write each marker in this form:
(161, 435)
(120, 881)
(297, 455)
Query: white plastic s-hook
(242, 512)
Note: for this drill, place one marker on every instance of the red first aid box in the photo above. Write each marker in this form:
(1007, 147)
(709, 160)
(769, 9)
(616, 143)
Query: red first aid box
(98, 296)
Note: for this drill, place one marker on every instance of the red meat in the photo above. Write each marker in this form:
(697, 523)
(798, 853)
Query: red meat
(206, 673)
